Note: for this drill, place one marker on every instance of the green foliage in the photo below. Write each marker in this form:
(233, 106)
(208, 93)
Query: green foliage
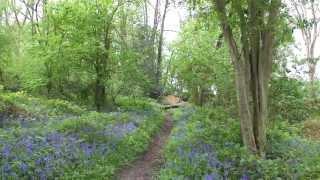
(40, 106)
(208, 144)
(201, 68)
(134, 103)
(74, 39)
(289, 100)
(91, 120)
(5, 50)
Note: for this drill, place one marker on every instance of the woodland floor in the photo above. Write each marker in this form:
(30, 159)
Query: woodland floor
(146, 167)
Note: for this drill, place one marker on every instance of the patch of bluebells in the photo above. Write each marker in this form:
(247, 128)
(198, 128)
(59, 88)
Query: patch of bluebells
(9, 120)
(197, 156)
(201, 154)
(29, 121)
(119, 130)
(43, 156)
(135, 116)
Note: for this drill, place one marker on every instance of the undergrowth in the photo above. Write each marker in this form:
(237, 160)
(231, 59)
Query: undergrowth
(73, 142)
(207, 145)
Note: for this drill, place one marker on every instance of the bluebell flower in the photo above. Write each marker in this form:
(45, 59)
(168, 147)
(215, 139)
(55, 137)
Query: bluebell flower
(28, 144)
(212, 176)
(38, 161)
(42, 175)
(6, 150)
(245, 176)
(46, 160)
(6, 168)
(208, 177)
(87, 149)
(24, 167)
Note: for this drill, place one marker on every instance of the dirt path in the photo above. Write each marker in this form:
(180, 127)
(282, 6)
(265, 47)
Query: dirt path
(144, 168)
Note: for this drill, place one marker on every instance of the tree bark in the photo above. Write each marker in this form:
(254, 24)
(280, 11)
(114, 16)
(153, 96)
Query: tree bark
(252, 62)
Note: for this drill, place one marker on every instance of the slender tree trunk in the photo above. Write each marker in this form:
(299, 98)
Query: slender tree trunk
(100, 91)
(312, 64)
(160, 48)
(146, 13)
(102, 61)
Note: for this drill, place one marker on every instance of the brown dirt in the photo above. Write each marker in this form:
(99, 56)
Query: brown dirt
(311, 129)
(147, 165)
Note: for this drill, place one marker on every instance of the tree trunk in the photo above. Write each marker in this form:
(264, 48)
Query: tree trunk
(252, 102)
(252, 61)
(100, 90)
(158, 87)
(312, 77)
(102, 61)
(100, 93)
(49, 74)
(245, 112)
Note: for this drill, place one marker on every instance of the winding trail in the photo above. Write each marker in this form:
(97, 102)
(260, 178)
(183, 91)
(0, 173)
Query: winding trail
(147, 165)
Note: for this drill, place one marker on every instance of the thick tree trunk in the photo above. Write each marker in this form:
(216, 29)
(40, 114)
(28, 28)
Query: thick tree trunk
(245, 112)
(252, 102)
(253, 66)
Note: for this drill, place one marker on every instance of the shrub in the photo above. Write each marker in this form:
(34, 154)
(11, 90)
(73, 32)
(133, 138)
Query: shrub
(288, 100)
(126, 102)
(41, 106)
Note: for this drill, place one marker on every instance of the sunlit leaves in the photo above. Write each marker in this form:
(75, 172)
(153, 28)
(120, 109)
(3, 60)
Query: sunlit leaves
(197, 61)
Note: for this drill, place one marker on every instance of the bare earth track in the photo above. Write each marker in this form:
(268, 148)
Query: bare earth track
(145, 167)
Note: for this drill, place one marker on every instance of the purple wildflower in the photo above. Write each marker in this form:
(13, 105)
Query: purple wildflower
(6, 150)
(23, 167)
(54, 138)
(208, 177)
(87, 149)
(28, 144)
(38, 161)
(6, 168)
(245, 176)
(42, 175)
(212, 176)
